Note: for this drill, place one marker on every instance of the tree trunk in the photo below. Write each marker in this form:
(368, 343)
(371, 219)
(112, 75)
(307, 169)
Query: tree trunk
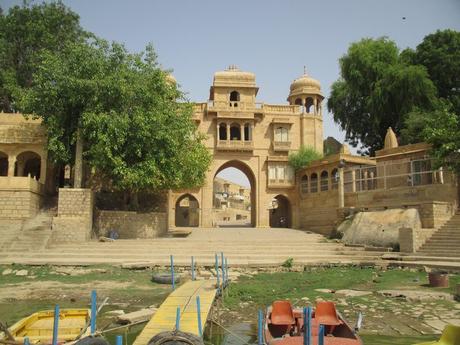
(78, 174)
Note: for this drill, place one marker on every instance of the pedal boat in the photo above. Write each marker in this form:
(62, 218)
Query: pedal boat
(38, 327)
(284, 325)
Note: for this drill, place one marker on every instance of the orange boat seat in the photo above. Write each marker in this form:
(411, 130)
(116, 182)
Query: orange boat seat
(326, 314)
(282, 313)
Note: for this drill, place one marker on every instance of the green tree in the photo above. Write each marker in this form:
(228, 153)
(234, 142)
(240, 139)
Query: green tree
(440, 54)
(137, 128)
(441, 128)
(375, 91)
(303, 157)
(25, 31)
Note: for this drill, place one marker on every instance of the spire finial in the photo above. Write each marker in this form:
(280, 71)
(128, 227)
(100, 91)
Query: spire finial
(304, 69)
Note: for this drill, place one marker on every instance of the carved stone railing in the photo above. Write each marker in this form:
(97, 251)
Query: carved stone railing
(281, 145)
(235, 145)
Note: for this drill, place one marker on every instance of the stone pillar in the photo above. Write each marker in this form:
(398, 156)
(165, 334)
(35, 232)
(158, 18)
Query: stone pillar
(78, 173)
(251, 133)
(407, 240)
(441, 175)
(241, 132)
(341, 189)
(11, 164)
(303, 105)
(227, 126)
(318, 182)
(74, 222)
(353, 181)
(365, 180)
(315, 103)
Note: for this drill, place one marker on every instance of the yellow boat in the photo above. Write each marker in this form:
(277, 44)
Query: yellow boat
(38, 327)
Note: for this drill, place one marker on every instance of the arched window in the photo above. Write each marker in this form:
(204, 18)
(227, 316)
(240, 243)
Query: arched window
(304, 184)
(324, 181)
(247, 132)
(234, 96)
(235, 131)
(281, 134)
(298, 101)
(223, 131)
(314, 183)
(309, 105)
(334, 179)
(3, 164)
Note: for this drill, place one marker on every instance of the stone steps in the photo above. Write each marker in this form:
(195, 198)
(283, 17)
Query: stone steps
(445, 242)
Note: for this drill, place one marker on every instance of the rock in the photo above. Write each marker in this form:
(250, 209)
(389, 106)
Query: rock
(305, 299)
(136, 316)
(379, 228)
(352, 293)
(7, 271)
(324, 290)
(22, 273)
(412, 295)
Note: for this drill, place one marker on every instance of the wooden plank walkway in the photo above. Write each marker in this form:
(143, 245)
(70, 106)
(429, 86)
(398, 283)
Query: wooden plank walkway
(185, 298)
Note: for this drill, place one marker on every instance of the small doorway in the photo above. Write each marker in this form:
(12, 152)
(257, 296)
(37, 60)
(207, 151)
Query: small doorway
(187, 211)
(280, 214)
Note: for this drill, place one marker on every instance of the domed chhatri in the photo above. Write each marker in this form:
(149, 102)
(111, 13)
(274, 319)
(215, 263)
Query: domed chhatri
(304, 84)
(306, 91)
(233, 76)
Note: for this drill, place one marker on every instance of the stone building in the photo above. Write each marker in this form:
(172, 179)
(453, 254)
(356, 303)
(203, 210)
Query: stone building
(255, 138)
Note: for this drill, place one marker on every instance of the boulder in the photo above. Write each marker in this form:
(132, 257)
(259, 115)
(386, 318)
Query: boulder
(7, 271)
(412, 295)
(378, 228)
(22, 273)
(352, 293)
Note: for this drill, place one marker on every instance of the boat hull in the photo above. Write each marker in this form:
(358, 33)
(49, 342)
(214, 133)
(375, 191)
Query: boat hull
(38, 327)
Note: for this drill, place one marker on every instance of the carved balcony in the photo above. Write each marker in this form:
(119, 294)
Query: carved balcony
(234, 145)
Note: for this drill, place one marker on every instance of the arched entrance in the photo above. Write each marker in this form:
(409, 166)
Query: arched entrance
(28, 163)
(187, 211)
(234, 200)
(3, 164)
(280, 214)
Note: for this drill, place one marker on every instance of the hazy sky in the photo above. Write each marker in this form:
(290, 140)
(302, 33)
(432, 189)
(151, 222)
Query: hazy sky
(273, 39)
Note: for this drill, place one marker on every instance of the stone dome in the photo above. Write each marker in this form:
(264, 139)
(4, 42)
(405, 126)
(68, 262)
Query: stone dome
(304, 85)
(234, 77)
(171, 79)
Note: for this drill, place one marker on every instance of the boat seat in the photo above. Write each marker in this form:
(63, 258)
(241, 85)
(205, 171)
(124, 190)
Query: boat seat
(326, 314)
(282, 313)
(450, 336)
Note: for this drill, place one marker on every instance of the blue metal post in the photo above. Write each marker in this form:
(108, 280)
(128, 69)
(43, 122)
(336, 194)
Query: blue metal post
(198, 314)
(177, 318)
(119, 340)
(308, 329)
(260, 337)
(93, 311)
(56, 324)
(222, 266)
(321, 335)
(226, 271)
(26, 341)
(305, 326)
(217, 270)
(193, 268)
(172, 272)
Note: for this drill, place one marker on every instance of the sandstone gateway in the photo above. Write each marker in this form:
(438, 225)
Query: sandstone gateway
(255, 138)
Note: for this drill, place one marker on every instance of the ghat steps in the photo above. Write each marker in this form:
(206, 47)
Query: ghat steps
(242, 246)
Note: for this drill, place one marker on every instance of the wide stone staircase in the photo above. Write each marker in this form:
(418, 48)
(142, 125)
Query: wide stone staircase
(242, 246)
(445, 241)
(440, 251)
(28, 235)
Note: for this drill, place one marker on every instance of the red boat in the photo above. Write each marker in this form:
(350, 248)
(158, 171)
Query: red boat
(284, 325)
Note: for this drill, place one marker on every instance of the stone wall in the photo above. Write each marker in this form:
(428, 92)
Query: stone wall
(75, 216)
(130, 224)
(318, 212)
(20, 197)
(19, 204)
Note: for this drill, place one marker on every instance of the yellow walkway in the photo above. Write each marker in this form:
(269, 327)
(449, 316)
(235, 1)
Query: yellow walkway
(185, 298)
